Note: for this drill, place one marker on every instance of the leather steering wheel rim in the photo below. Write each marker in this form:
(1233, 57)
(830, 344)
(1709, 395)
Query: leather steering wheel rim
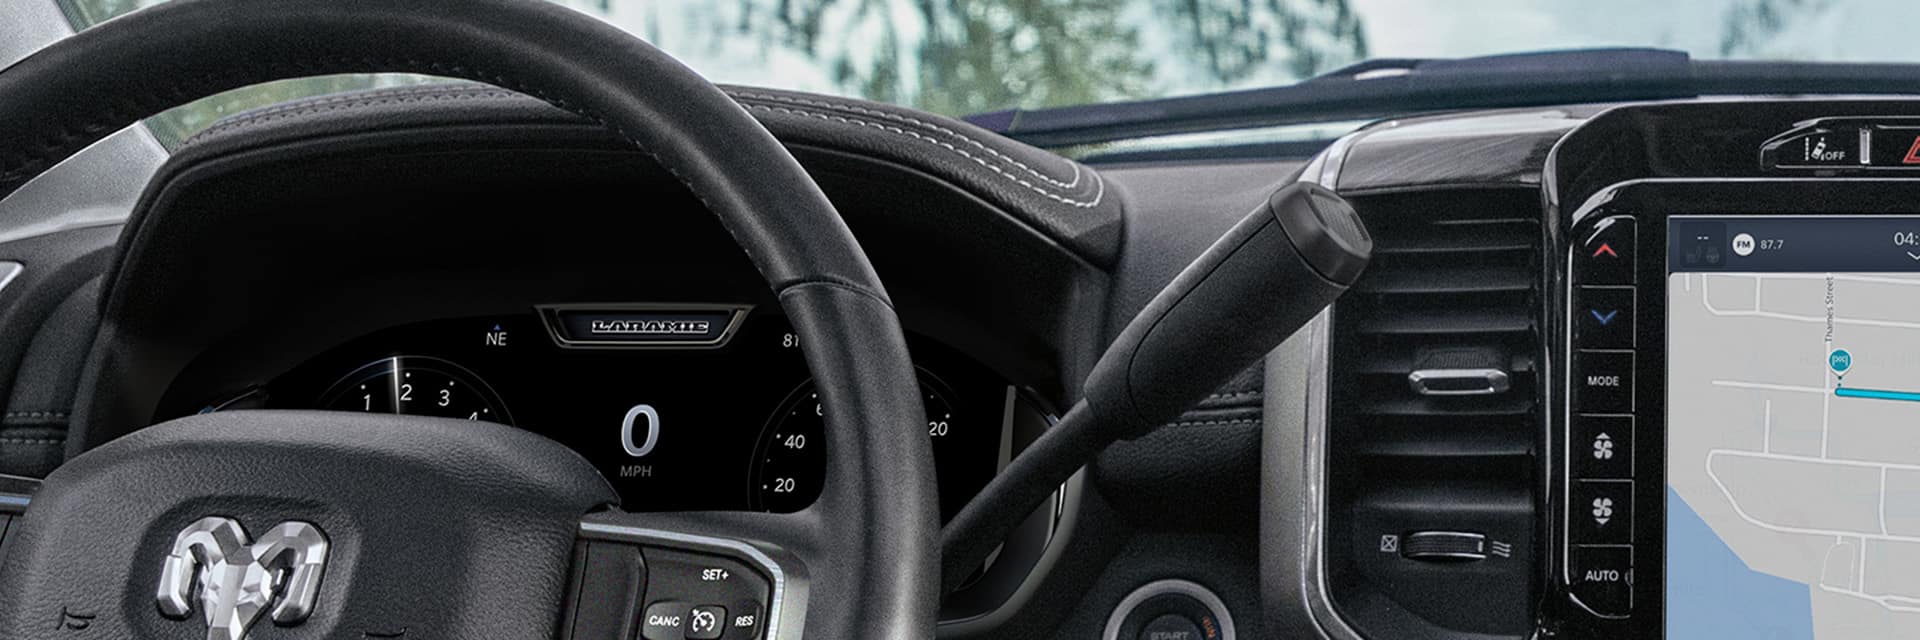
(873, 536)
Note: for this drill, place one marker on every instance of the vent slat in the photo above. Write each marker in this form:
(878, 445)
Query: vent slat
(1503, 405)
(1396, 365)
(1454, 321)
(1434, 281)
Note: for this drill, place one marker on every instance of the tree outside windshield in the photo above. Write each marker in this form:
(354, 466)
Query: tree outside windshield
(966, 56)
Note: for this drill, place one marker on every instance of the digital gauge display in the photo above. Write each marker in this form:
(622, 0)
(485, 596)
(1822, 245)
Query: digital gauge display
(417, 386)
(790, 463)
(728, 421)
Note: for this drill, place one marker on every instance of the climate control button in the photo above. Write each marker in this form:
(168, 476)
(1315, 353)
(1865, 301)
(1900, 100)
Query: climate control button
(1602, 448)
(1605, 256)
(1600, 512)
(1601, 579)
(1603, 382)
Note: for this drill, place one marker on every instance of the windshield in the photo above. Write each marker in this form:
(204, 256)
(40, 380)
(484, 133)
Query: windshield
(959, 57)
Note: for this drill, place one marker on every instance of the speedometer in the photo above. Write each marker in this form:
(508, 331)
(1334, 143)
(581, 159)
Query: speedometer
(419, 386)
(790, 461)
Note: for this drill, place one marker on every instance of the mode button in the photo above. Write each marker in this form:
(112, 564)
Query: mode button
(1603, 382)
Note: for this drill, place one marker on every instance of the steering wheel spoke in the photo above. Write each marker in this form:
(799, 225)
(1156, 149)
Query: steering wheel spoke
(726, 575)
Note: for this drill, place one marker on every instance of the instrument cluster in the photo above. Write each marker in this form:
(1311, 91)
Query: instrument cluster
(682, 407)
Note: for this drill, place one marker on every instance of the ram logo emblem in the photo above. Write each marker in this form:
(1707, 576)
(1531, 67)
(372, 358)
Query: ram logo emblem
(234, 580)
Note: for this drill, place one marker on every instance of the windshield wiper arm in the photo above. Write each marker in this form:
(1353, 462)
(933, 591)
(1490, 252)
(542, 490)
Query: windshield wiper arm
(1381, 88)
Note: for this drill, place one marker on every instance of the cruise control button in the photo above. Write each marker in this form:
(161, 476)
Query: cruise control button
(1603, 318)
(1603, 382)
(706, 622)
(1606, 255)
(1601, 579)
(1602, 447)
(665, 621)
(744, 621)
(1600, 512)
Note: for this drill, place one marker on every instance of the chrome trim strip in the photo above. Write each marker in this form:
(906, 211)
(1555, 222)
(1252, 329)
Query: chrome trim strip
(1314, 561)
(1311, 569)
(1493, 381)
(9, 271)
(549, 316)
(1165, 587)
(1293, 574)
(742, 549)
(12, 500)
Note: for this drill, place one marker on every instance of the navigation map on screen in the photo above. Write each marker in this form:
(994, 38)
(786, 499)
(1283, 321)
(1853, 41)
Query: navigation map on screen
(1793, 429)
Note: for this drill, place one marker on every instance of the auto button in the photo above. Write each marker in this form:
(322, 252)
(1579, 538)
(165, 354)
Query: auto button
(1601, 579)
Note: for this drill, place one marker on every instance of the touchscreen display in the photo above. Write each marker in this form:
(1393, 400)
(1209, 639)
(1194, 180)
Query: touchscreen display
(1793, 427)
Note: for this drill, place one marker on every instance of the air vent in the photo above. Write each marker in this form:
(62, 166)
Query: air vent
(1434, 414)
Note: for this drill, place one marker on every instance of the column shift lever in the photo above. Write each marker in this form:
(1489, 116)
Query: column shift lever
(1269, 275)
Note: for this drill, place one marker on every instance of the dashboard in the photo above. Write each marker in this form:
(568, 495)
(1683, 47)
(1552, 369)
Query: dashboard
(680, 406)
(1634, 370)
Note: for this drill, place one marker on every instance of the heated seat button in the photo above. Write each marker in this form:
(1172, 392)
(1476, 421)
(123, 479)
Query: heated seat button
(1602, 447)
(1605, 254)
(1603, 318)
(1601, 579)
(1172, 627)
(1603, 382)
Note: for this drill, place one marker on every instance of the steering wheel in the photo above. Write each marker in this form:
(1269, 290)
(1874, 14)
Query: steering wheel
(341, 525)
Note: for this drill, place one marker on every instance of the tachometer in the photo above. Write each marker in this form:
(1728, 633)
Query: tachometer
(790, 461)
(417, 385)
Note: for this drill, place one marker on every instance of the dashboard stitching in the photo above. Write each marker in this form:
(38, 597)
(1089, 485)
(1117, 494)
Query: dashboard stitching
(1235, 394)
(442, 93)
(903, 119)
(340, 104)
(1214, 423)
(1100, 185)
(34, 414)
